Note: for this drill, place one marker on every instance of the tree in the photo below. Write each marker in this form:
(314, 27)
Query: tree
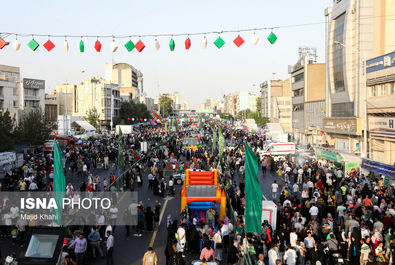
(7, 128)
(258, 104)
(130, 110)
(166, 105)
(226, 116)
(34, 128)
(92, 116)
(248, 114)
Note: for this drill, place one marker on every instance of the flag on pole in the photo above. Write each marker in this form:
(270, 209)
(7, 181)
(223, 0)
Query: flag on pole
(221, 143)
(121, 160)
(200, 125)
(214, 139)
(253, 193)
(59, 182)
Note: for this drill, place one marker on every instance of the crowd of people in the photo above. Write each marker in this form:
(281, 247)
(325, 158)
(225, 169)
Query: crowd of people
(323, 215)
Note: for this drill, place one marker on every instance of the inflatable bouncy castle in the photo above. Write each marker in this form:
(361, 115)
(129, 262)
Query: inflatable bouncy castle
(200, 190)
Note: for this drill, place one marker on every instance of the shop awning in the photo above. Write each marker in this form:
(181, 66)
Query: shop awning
(379, 168)
(328, 155)
(85, 125)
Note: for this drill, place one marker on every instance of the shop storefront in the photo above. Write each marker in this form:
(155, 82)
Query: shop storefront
(382, 139)
(380, 169)
(343, 134)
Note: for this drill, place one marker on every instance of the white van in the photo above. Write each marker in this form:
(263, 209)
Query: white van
(278, 149)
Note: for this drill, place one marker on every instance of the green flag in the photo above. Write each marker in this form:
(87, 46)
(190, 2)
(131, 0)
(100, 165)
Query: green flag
(214, 139)
(166, 127)
(253, 193)
(221, 143)
(121, 160)
(59, 182)
(200, 125)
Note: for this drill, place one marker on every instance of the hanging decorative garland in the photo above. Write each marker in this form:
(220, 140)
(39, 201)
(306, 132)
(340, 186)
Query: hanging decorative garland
(139, 46)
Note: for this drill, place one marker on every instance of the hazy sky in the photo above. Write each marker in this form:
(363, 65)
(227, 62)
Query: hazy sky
(197, 74)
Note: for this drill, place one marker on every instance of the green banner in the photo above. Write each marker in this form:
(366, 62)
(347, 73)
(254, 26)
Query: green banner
(323, 154)
(348, 166)
(253, 193)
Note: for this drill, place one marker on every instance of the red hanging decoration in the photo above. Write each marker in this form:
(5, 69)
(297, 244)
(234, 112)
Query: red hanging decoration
(238, 41)
(139, 46)
(3, 43)
(187, 44)
(49, 45)
(141, 119)
(98, 46)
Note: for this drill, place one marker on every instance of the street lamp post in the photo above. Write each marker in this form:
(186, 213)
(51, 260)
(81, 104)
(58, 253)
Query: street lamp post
(364, 151)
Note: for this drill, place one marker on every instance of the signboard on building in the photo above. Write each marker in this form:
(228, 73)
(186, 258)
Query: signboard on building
(382, 125)
(324, 154)
(33, 83)
(342, 125)
(378, 168)
(381, 62)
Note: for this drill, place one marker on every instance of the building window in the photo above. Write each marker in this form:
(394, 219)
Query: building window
(298, 92)
(343, 109)
(298, 77)
(338, 50)
(14, 103)
(298, 107)
(372, 91)
(392, 88)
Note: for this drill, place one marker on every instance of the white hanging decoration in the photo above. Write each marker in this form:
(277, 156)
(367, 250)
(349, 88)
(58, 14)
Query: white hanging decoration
(66, 46)
(114, 46)
(16, 44)
(155, 45)
(204, 43)
(255, 39)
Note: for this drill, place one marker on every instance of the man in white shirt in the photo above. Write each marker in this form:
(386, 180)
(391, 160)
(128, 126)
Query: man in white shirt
(300, 175)
(290, 256)
(313, 212)
(181, 237)
(33, 186)
(113, 216)
(110, 248)
(272, 254)
(274, 190)
(292, 238)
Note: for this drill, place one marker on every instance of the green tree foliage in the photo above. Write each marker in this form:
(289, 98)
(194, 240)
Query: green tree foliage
(258, 104)
(130, 110)
(34, 128)
(226, 116)
(166, 105)
(92, 116)
(7, 128)
(248, 114)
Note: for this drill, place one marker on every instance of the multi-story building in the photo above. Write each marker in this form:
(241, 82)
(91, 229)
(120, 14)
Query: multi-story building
(19, 96)
(76, 100)
(128, 79)
(276, 102)
(247, 101)
(51, 106)
(355, 30)
(9, 88)
(308, 100)
(32, 94)
(380, 74)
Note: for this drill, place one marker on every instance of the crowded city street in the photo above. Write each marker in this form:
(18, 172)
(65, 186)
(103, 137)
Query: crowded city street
(197, 132)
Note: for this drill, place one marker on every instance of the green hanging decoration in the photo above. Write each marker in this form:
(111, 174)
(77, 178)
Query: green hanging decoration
(172, 45)
(219, 42)
(272, 38)
(129, 45)
(33, 45)
(82, 46)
